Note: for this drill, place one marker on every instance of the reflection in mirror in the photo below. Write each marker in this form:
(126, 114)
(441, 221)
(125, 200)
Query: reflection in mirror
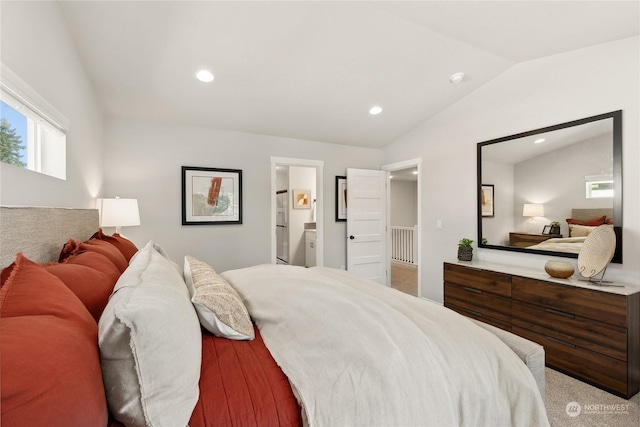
(545, 190)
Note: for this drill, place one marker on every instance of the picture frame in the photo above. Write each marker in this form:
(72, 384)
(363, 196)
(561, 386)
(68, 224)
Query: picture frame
(211, 196)
(546, 230)
(341, 198)
(486, 196)
(301, 199)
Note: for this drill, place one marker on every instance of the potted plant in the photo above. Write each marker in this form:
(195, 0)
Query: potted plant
(555, 227)
(465, 250)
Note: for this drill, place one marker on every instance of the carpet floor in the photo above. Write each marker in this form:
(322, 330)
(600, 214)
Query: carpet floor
(572, 403)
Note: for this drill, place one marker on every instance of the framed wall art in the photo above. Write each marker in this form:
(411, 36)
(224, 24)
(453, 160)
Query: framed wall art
(487, 200)
(301, 199)
(341, 198)
(211, 196)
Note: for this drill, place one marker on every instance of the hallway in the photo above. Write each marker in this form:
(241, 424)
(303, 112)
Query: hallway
(404, 277)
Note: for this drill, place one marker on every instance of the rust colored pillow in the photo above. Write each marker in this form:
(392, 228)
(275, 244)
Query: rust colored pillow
(91, 286)
(97, 262)
(49, 355)
(593, 222)
(73, 247)
(124, 245)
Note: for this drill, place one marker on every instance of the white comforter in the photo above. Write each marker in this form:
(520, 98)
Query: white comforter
(560, 244)
(360, 354)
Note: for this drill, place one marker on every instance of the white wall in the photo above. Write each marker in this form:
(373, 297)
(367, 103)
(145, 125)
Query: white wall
(528, 96)
(404, 203)
(535, 180)
(282, 178)
(144, 161)
(37, 47)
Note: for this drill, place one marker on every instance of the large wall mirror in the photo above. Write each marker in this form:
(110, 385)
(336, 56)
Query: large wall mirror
(543, 191)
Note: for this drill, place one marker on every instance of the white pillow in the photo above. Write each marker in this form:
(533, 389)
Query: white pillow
(219, 307)
(580, 230)
(150, 344)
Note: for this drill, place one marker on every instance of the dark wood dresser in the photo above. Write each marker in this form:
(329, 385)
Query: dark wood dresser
(589, 332)
(523, 240)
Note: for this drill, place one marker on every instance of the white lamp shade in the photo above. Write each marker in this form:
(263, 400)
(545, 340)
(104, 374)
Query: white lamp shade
(118, 212)
(533, 209)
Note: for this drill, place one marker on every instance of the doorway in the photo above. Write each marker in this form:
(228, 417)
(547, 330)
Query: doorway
(403, 201)
(296, 199)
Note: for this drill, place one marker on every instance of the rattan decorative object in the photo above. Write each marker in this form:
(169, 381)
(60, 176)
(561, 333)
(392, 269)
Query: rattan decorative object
(559, 269)
(597, 251)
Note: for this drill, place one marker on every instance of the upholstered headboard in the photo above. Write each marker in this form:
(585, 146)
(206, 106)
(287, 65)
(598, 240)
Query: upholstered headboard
(586, 214)
(39, 233)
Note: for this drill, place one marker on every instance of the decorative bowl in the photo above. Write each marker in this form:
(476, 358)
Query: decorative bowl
(559, 269)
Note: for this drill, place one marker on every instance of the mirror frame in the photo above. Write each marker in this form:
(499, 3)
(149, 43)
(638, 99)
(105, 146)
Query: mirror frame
(617, 182)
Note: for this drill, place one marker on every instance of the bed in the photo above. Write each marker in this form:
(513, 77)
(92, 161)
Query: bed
(579, 225)
(322, 347)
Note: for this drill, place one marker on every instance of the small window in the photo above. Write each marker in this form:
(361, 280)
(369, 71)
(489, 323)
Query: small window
(599, 187)
(32, 133)
(13, 136)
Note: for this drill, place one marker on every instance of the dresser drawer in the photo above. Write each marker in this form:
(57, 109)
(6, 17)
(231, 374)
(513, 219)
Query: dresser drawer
(484, 303)
(590, 366)
(474, 313)
(592, 304)
(590, 334)
(488, 281)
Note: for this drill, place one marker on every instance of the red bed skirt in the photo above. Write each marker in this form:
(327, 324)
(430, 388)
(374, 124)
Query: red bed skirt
(241, 385)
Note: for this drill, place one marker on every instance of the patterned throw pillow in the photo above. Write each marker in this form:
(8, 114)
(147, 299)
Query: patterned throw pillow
(219, 307)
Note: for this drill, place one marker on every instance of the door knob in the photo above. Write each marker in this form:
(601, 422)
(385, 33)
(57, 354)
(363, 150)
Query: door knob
(352, 237)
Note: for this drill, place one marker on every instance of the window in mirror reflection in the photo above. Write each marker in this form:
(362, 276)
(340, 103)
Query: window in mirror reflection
(599, 187)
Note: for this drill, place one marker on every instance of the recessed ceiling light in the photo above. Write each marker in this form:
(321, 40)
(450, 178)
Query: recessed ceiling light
(204, 76)
(456, 78)
(375, 110)
(539, 140)
(415, 172)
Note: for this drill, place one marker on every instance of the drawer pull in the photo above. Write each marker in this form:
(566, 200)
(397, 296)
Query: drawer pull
(559, 313)
(475, 313)
(477, 291)
(568, 344)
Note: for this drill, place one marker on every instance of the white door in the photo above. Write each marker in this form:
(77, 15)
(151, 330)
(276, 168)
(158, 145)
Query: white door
(366, 224)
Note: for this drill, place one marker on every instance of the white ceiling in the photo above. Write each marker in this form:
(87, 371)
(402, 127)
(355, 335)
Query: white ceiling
(312, 70)
(520, 149)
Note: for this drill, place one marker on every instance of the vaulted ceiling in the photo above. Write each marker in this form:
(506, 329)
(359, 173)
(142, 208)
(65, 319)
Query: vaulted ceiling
(312, 70)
